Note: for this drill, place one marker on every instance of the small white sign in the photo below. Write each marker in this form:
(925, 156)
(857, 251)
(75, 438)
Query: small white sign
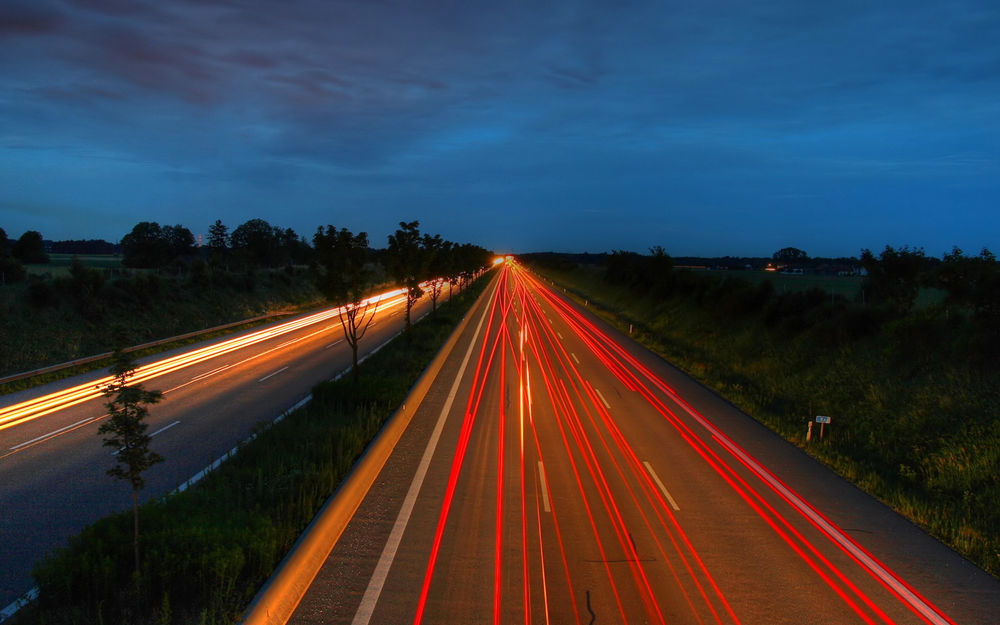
(822, 419)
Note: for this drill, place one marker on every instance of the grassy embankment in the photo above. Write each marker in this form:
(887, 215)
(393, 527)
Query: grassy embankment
(57, 316)
(207, 550)
(914, 422)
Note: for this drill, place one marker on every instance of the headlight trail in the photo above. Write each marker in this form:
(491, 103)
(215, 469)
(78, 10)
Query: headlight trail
(34, 408)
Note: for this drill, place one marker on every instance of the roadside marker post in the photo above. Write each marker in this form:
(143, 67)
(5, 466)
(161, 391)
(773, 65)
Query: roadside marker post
(822, 420)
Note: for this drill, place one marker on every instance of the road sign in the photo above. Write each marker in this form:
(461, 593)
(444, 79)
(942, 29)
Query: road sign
(822, 419)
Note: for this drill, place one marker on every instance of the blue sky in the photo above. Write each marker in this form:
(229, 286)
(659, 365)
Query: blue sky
(709, 128)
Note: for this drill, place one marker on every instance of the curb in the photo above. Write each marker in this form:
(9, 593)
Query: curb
(280, 596)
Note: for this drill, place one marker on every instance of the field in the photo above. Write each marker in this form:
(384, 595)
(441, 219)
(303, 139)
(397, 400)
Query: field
(848, 287)
(58, 265)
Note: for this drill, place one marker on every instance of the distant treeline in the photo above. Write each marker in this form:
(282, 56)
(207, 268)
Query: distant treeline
(88, 246)
(254, 244)
(892, 282)
(784, 259)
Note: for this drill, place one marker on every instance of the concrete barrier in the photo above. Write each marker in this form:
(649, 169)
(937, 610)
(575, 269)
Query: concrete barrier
(277, 599)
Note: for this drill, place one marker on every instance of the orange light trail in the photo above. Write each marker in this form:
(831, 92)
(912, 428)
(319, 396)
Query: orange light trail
(25, 411)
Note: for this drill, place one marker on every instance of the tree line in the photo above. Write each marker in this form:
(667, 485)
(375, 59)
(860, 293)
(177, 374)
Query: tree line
(892, 280)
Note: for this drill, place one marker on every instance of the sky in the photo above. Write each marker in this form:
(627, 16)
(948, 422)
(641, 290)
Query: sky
(710, 128)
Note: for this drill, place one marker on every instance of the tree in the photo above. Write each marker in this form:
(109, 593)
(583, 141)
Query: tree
(343, 276)
(30, 248)
(257, 242)
(972, 281)
(11, 269)
(145, 246)
(179, 241)
(407, 263)
(790, 255)
(218, 242)
(125, 431)
(437, 260)
(894, 277)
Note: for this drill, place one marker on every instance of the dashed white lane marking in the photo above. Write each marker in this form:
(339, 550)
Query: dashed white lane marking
(163, 429)
(334, 343)
(606, 404)
(545, 486)
(574, 357)
(270, 375)
(663, 489)
(53, 433)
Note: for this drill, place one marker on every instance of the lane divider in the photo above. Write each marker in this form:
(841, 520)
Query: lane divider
(659, 484)
(271, 375)
(545, 486)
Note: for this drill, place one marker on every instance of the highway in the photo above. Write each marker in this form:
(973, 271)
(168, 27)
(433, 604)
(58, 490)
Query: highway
(52, 463)
(557, 472)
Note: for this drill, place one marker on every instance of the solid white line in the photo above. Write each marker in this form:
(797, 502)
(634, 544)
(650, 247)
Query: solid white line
(606, 404)
(574, 357)
(53, 433)
(273, 374)
(545, 486)
(663, 489)
(164, 428)
(364, 614)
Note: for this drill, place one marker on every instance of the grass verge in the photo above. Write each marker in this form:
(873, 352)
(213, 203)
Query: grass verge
(207, 550)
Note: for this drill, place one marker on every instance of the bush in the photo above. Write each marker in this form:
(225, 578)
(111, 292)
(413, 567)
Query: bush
(41, 294)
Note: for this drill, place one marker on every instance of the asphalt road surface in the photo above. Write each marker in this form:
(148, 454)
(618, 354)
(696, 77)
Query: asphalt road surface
(52, 464)
(557, 472)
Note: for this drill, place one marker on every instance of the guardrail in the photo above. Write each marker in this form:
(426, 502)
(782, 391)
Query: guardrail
(180, 337)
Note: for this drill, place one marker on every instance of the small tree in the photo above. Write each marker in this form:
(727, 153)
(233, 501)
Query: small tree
(344, 276)
(125, 431)
(407, 262)
(437, 253)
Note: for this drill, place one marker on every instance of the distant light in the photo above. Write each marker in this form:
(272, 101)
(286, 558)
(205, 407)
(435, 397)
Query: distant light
(509, 258)
(497, 260)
